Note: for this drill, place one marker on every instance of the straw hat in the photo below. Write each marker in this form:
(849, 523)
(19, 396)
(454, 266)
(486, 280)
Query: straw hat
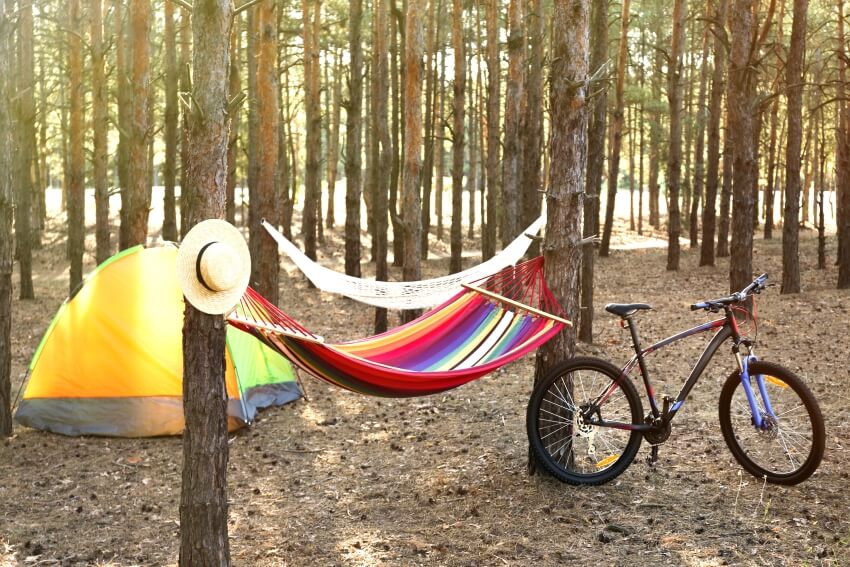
(213, 266)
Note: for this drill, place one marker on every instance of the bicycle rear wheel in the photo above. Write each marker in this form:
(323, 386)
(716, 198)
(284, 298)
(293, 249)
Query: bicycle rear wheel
(789, 446)
(572, 450)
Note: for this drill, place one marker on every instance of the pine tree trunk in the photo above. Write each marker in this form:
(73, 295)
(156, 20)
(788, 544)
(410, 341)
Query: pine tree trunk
(616, 140)
(203, 499)
(352, 143)
(313, 118)
(100, 151)
(568, 103)
(412, 270)
(169, 170)
(512, 155)
(595, 164)
(742, 109)
(333, 143)
(140, 130)
(7, 205)
(76, 157)
(655, 134)
(674, 155)
(842, 165)
(472, 179)
(25, 106)
(381, 147)
(532, 130)
(725, 191)
(699, 149)
(395, 174)
(632, 146)
(488, 236)
(185, 44)
(265, 263)
(439, 149)
(718, 86)
(435, 9)
(458, 45)
(123, 101)
(234, 87)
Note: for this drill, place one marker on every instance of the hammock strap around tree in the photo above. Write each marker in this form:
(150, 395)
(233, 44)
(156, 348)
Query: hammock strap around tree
(463, 339)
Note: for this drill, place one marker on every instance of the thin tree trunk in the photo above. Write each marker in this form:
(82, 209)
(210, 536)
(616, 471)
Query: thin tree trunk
(772, 167)
(313, 119)
(632, 145)
(568, 144)
(595, 163)
(820, 193)
(234, 86)
(123, 101)
(412, 147)
(138, 170)
(253, 38)
(512, 155)
(725, 192)
(616, 139)
(458, 45)
(100, 151)
(842, 165)
(7, 205)
(674, 156)
(742, 109)
(655, 135)
(532, 129)
(395, 174)
(473, 103)
(718, 86)
(185, 61)
(699, 149)
(439, 138)
(352, 143)
(381, 147)
(435, 9)
(76, 157)
(333, 143)
(169, 170)
(265, 265)
(488, 236)
(26, 145)
(286, 154)
(203, 499)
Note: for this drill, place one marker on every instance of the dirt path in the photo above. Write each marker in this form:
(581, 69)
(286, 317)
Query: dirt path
(349, 480)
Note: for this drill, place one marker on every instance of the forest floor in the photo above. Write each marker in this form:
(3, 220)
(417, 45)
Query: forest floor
(344, 479)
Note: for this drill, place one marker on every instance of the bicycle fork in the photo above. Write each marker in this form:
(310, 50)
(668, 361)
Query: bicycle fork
(759, 420)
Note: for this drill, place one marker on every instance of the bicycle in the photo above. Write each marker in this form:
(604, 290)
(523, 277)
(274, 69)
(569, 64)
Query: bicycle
(585, 420)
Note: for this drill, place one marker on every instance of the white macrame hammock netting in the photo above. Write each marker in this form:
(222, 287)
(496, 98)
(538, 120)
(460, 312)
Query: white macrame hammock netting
(404, 295)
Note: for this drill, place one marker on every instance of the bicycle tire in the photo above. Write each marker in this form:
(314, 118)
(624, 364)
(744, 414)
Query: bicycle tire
(546, 416)
(781, 440)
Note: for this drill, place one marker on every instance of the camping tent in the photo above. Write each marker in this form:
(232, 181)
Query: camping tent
(111, 362)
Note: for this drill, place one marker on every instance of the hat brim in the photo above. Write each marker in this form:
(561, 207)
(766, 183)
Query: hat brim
(202, 298)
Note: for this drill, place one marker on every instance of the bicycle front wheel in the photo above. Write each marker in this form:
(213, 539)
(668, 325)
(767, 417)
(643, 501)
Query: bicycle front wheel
(789, 445)
(569, 447)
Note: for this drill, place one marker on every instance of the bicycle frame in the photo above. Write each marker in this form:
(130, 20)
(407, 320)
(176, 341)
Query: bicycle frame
(726, 327)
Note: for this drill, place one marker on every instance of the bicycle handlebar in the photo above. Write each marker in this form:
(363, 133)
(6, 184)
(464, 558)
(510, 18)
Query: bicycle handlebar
(756, 286)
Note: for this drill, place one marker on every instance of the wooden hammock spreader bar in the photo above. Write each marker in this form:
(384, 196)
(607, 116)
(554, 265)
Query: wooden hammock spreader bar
(276, 329)
(517, 304)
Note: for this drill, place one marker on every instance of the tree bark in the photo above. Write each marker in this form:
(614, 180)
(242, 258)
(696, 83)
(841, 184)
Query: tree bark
(488, 236)
(742, 109)
(140, 130)
(185, 44)
(353, 136)
(265, 262)
(395, 175)
(123, 102)
(532, 129)
(842, 165)
(674, 156)
(169, 170)
(655, 134)
(203, 499)
(381, 147)
(595, 163)
(718, 86)
(313, 118)
(458, 45)
(616, 140)
(512, 154)
(699, 149)
(7, 205)
(24, 127)
(76, 157)
(333, 142)
(725, 192)
(412, 147)
(435, 8)
(568, 144)
(235, 86)
(100, 150)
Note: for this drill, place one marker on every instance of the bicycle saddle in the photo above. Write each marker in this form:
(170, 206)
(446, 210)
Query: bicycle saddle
(626, 309)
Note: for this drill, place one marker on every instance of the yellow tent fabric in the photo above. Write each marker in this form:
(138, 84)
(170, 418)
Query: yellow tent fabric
(111, 363)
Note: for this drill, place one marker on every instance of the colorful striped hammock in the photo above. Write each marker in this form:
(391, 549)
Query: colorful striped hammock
(491, 323)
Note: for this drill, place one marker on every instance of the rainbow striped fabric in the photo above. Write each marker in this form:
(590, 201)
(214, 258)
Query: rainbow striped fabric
(465, 338)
